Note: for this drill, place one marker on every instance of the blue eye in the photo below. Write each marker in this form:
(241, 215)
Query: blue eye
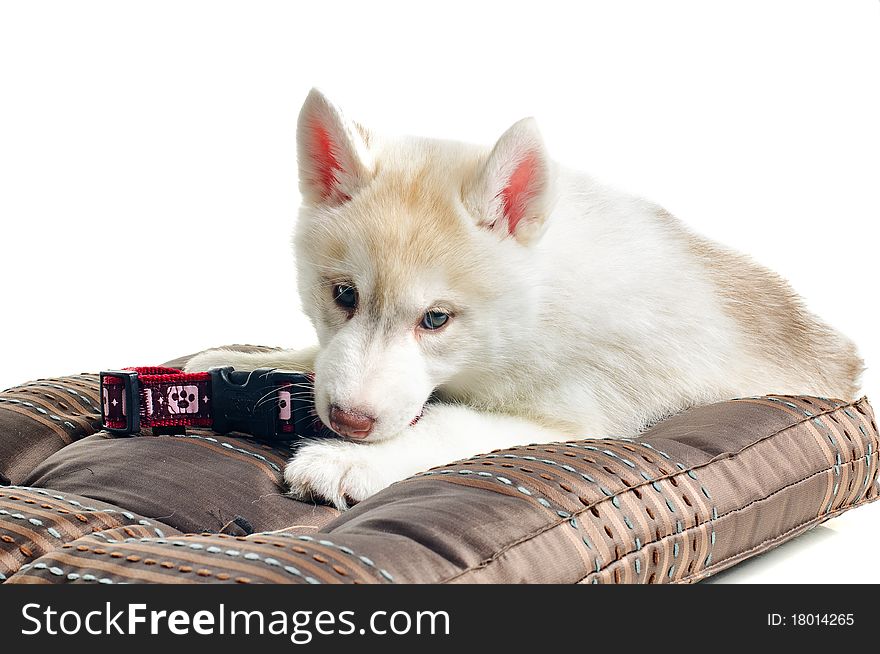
(346, 296)
(434, 320)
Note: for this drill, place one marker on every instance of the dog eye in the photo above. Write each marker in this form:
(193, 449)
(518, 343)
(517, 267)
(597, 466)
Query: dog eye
(434, 320)
(346, 296)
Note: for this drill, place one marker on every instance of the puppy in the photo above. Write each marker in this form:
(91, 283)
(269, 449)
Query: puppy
(530, 302)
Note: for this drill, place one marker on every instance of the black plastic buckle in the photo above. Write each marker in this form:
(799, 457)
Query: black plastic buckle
(132, 402)
(248, 401)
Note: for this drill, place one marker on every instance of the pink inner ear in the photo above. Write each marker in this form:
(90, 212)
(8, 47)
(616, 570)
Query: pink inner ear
(325, 160)
(521, 187)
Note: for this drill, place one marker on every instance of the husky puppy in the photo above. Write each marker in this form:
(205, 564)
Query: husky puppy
(532, 303)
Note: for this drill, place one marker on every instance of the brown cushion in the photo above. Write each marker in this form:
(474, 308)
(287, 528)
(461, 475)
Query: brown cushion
(195, 482)
(694, 495)
(38, 522)
(40, 417)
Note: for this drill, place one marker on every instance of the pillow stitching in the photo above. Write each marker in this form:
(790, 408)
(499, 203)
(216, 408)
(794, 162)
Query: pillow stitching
(553, 525)
(818, 520)
(743, 508)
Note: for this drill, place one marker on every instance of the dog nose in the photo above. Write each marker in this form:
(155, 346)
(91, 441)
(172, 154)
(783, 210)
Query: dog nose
(350, 423)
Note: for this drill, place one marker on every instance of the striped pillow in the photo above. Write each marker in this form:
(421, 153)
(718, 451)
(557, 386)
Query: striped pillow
(692, 496)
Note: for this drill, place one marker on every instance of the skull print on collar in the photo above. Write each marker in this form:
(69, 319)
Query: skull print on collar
(266, 403)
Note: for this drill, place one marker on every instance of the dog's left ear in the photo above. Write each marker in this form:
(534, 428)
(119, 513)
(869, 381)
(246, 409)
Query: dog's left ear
(334, 158)
(513, 192)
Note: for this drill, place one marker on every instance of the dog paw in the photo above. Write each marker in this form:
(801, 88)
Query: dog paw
(337, 472)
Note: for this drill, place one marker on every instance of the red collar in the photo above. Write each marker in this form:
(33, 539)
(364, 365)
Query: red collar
(266, 403)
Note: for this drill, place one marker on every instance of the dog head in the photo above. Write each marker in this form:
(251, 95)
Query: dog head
(414, 263)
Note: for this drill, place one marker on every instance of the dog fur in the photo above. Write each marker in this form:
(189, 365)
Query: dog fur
(576, 310)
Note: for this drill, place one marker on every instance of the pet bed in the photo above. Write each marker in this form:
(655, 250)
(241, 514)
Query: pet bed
(694, 495)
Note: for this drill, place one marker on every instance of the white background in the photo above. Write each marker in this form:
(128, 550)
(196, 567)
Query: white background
(148, 173)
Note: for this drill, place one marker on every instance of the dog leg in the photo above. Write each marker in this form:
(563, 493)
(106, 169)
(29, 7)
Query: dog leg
(341, 472)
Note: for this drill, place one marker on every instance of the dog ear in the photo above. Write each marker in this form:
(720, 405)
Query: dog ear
(512, 194)
(333, 153)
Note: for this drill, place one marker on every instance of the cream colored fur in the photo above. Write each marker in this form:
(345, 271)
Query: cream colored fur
(596, 314)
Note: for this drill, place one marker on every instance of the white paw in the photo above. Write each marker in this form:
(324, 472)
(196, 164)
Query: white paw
(338, 472)
(209, 359)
